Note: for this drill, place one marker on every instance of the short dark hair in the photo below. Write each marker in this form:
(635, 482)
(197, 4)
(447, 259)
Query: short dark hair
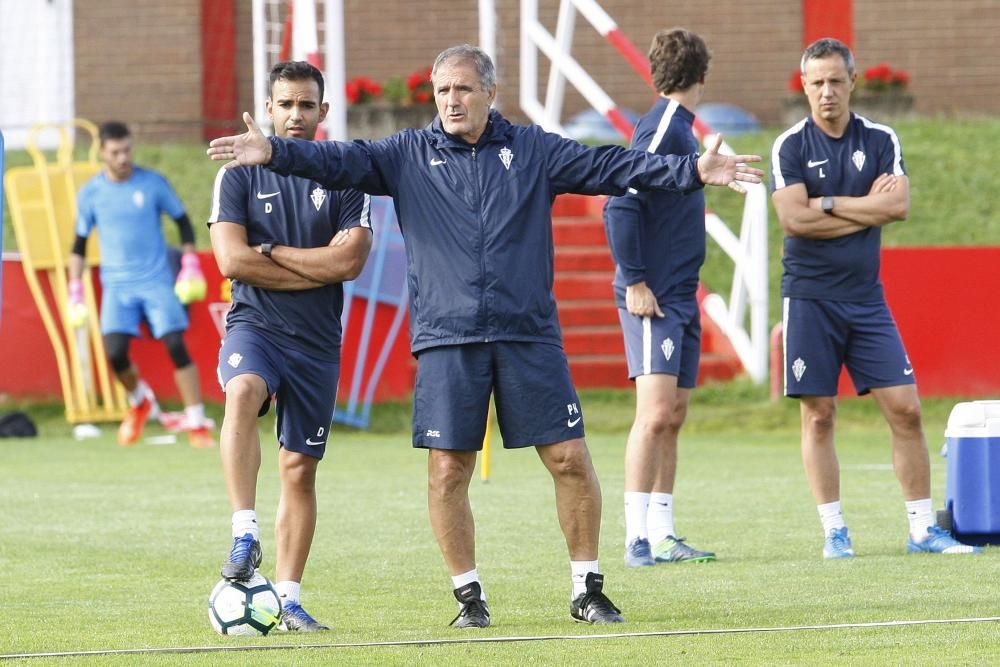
(466, 52)
(824, 48)
(295, 70)
(678, 59)
(113, 130)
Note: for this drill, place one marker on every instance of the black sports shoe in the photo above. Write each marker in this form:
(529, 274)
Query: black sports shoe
(244, 559)
(296, 619)
(474, 612)
(594, 606)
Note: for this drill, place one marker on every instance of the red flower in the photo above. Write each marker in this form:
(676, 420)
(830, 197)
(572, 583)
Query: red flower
(353, 92)
(882, 76)
(362, 89)
(421, 97)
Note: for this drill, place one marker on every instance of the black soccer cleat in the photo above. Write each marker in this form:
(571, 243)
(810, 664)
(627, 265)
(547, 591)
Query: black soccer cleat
(244, 559)
(296, 619)
(594, 606)
(474, 613)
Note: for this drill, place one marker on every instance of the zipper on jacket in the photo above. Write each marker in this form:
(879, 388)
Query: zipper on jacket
(482, 247)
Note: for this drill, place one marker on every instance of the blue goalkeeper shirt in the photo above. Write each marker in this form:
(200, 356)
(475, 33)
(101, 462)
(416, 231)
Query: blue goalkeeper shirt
(127, 217)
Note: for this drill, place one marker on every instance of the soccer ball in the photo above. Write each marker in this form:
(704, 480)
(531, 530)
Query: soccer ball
(244, 607)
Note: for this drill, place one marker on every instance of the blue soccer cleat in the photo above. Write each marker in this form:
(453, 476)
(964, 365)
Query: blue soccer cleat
(838, 544)
(638, 553)
(244, 559)
(940, 541)
(296, 619)
(673, 550)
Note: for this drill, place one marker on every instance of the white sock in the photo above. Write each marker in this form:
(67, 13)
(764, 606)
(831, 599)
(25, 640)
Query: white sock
(921, 517)
(140, 392)
(460, 580)
(831, 516)
(636, 506)
(245, 521)
(660, 518)
(195, 415)
(580, 569)
(288, 591)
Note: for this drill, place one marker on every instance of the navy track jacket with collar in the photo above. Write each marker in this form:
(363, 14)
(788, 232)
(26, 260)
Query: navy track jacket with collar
(477, 220)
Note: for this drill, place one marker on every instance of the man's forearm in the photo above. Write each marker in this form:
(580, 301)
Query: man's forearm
(872, 210)
(254, 269)
(325, 265)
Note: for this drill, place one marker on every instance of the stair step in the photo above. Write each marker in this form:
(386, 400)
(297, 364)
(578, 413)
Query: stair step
(601, 371)
(578, 232)
(586, 285)
(594, 340)
(578, 205)
(587, 313)
(584, 258)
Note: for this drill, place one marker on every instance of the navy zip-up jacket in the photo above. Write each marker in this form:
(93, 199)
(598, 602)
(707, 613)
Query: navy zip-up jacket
(477, 220)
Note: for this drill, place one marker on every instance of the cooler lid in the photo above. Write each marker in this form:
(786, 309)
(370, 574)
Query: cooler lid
(975, 419)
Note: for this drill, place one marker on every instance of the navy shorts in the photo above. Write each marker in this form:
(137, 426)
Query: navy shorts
(820, 337)
(304, 387)
(670, 344)
(534, 395)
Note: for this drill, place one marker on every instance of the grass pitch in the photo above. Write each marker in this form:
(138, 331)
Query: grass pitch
(104, 548)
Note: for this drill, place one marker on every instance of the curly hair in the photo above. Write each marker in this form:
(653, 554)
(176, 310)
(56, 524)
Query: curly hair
(678, 59)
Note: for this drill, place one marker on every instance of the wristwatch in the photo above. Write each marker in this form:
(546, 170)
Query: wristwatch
(827, 204)
(265, 249)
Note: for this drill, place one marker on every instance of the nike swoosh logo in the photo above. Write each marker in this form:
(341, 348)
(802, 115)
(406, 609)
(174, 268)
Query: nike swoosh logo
(812, 163)
(315, 444)
(435, 162)
(907, 371)
(267, 196)
(573, 422)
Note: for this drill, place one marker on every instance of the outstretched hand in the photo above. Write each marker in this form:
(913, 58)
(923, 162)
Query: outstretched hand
(242, 150)
(715, 168)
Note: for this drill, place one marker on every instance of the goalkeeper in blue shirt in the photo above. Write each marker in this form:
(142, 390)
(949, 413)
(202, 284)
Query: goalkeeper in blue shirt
(124, 203)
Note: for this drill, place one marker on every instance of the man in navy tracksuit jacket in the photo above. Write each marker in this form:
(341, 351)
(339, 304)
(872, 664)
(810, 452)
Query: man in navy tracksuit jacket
(473, 194)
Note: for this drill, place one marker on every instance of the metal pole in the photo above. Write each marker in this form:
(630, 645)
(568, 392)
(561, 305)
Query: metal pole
(336, 81)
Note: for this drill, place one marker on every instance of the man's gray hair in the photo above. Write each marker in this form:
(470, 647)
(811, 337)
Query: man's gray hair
(824, 48)
(475, 55)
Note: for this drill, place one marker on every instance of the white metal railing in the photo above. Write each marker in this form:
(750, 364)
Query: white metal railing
(748, 251)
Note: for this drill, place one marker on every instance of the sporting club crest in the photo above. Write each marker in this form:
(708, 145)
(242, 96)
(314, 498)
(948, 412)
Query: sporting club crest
(506, 156)
(859, 159)
(318, 196)
(668, 348)
(798, 369)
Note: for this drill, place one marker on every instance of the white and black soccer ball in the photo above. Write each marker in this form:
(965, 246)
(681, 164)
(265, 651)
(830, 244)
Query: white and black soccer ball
(245, 608)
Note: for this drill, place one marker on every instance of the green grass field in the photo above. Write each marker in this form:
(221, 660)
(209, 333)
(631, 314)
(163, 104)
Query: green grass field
(108, 548)
(104, 548)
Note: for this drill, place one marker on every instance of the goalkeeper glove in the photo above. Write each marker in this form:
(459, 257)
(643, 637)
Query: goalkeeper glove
(190, 285)
(76, 309)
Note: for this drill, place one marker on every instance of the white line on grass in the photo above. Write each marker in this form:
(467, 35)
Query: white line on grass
(484, 640)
